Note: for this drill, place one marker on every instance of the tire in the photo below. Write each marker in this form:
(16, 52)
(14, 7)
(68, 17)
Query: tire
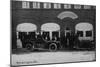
(53, 47)
(29, 46)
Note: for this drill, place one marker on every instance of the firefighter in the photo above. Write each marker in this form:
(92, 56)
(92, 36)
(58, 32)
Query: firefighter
(67, 36)
(71, 40)
(76, 41)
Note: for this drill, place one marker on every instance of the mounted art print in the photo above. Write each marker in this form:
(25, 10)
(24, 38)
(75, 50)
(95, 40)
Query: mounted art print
(52, 33)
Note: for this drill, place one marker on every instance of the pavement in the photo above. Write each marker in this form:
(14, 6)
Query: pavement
(34, 58)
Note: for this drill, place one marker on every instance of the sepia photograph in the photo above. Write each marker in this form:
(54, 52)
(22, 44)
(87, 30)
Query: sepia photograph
(52, 33)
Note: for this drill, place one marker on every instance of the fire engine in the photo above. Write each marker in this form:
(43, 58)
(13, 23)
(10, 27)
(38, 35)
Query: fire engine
(84, 30)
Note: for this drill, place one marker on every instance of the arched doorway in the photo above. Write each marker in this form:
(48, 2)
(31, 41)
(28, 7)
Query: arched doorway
(66, 14)
(51, 34)
(25, 31)
(67, 19)
(84, 31)
(50, 29)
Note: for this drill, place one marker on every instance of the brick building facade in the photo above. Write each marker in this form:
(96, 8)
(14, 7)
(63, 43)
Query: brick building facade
(39, 13)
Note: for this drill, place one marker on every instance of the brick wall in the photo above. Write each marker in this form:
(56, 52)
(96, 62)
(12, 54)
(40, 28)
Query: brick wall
(41, 16)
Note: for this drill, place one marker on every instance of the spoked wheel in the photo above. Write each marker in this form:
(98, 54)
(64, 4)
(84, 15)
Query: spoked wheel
(52, 47)
(29, 46)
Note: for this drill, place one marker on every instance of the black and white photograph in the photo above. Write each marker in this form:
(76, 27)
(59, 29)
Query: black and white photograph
(52, 33)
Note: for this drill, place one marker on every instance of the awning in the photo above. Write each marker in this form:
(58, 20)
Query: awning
(50, 27)
(26, 27)
(69, 14)
(84, 26)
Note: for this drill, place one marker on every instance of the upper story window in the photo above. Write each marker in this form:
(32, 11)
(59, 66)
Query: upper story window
(57, 6)
(67, 6)
(36, 5)
(25, 5)
(77, 6)
(87, 7)
(47, 5)
(88, 33)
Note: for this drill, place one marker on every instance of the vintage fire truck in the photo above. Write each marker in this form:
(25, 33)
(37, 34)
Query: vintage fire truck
(51, 35)
(26, 35)
(84, 30)
(47, 38)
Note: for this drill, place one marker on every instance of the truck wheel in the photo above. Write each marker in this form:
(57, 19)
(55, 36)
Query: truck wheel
(52, 47)
(29, 46)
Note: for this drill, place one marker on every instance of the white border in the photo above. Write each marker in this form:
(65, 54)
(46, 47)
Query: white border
(5, 33)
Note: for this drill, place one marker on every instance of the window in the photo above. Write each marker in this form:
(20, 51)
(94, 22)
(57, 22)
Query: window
(22, 35)
(67, 6)
(25, 5)
(88, 33)
(36, 5)
(67, 28)
(87, 7)
(77, 6)
(46, 35)
(68, 34)
(32, 35)
(57, 6)
(80, 33)
(47, 5)
(55, 35)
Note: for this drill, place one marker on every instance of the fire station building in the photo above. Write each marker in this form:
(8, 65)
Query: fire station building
(40, 13)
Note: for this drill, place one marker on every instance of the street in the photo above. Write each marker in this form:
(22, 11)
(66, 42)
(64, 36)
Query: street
(31, 58)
